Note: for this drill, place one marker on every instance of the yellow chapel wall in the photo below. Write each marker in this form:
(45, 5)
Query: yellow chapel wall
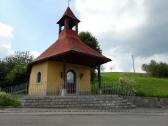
(52, 81)
(55, 81)
(36, 88)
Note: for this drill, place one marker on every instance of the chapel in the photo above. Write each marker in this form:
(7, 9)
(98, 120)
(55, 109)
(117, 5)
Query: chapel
(65, 67)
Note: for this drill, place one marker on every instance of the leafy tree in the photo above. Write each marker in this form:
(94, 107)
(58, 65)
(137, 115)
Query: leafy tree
(13, 68)
(92, 42)
(18, 58)
(3, 71)
(17, 75)
(156, 69)
(102, 68)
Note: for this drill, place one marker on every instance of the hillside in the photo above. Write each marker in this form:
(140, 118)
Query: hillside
(144, 84)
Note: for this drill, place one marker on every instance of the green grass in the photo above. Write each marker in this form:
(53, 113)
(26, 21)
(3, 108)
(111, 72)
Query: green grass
(144, 84)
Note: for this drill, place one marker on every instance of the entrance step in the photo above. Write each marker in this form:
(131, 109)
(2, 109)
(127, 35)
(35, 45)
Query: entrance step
(77, 102)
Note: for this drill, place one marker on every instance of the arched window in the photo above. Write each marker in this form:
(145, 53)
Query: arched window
(39, 77)
(71, 77)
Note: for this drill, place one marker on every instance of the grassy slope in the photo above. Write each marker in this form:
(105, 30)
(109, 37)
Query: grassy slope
(145, 85)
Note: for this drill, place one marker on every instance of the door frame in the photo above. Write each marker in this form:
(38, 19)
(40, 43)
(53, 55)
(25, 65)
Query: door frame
(75, 79)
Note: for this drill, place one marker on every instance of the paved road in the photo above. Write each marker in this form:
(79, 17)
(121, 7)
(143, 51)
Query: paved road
(84, 119)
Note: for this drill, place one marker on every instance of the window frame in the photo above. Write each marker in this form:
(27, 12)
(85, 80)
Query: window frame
(37, 77)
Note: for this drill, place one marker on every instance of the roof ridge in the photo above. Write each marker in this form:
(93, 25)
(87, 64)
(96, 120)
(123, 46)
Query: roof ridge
(68, 41)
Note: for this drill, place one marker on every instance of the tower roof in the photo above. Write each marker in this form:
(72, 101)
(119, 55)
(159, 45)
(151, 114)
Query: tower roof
(69, 47)
(70, 14)
(69, 42)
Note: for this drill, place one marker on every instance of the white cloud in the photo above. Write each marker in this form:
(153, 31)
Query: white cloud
(126, 27)
(123, 62)
(6, 36)
(35, 54)
(100, 16)
(157, 57)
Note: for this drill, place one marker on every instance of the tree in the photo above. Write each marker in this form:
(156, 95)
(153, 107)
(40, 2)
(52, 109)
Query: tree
(3, 71)
(18, 58)
(102, 68)
(111, 68)
(92, 42)
(13, 68)
(17, 75)
(156, 69)
(133, 63)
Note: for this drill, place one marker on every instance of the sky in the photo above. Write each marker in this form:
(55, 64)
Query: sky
(124, 28)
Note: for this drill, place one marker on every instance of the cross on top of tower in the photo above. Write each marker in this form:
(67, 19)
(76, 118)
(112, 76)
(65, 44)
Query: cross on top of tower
(69, 2)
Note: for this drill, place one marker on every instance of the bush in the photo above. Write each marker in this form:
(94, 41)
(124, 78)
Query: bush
(123, 86)
(156, 69)
(8, 100)
(127, 86)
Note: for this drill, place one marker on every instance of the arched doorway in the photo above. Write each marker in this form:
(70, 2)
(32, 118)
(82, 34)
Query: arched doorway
(71, 82)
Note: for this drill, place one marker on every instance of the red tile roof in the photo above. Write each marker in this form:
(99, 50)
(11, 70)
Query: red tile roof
(70, 14)
(69, 41)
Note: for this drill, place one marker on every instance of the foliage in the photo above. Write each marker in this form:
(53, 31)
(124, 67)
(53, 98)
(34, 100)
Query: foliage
(123, 86)
(156, 69)
(93, 74)
(127, 85)
(17, 74)
(9, 100)
(13, 68)
(102, 68)
(18, 58)
(94, 87)
(144, 84)
(90, 40)
(3, 70)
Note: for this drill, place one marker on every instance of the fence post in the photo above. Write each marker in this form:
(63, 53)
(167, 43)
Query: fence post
(99, 80)
(27, 88)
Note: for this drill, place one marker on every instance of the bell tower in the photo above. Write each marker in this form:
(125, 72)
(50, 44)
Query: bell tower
(68, 21)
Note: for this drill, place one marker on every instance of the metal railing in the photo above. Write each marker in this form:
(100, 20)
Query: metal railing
(15, 89)
(106, 89)
(70, 89)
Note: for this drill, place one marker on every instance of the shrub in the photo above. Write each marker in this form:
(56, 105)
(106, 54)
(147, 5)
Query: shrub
(156, 69)
(126, 86)
(94, 87)
(123, 86)
(8, 100)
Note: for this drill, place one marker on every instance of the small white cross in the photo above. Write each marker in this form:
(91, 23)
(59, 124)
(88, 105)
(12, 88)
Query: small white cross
(68, 2)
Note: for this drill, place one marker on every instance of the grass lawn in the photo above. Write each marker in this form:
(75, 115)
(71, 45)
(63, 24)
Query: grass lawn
(145, 85)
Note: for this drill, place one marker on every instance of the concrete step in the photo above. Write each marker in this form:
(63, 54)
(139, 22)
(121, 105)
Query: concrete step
(47, 99)
(89, 102)
(74, 100)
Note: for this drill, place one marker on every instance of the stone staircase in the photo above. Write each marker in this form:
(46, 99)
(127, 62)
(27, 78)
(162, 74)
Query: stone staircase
(99, 102)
